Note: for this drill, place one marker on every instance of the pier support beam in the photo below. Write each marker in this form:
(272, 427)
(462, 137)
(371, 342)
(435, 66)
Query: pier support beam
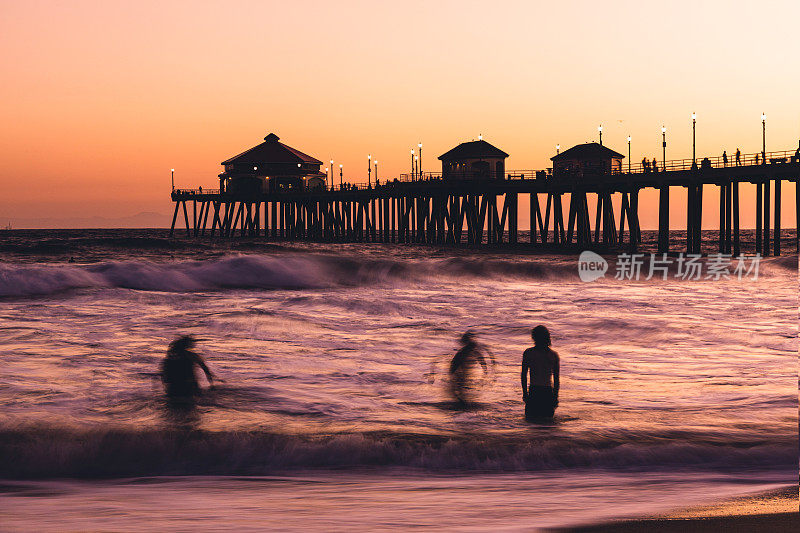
(776, 239)
(694, 216)
(766, 248)
(663, 219)
(635, 231)
(797, 213)
(174, 218)
(759, 215)
(737, 249)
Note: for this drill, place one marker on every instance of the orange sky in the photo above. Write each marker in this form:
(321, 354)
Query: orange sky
(100, 99)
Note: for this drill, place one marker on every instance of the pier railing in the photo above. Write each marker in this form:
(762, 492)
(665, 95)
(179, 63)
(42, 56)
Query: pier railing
(195, 192)
(720, 161)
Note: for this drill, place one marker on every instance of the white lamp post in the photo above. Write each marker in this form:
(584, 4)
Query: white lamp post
(694, 150)
(420, 160)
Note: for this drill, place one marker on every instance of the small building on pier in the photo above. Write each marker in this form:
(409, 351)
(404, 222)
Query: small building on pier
(474, 160)
(271, 167)
(589, 159)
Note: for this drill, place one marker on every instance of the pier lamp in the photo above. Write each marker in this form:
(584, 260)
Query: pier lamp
(763, 138)
(341, 171)
(694, 150)
(369, 170)
(558, 149)
(664, 147)
(416, 165)
(376, 172)
(326, 177)
(413, 174)
(600, 130)
(172, 172)
(419, 145)
(629, 154)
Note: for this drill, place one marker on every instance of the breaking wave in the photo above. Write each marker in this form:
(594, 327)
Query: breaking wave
(282, 271)
(48, 453)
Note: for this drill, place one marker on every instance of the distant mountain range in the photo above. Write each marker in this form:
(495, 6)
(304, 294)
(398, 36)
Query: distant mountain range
(145, 219)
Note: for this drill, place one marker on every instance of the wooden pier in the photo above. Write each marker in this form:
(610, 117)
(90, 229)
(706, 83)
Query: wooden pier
(428, 209)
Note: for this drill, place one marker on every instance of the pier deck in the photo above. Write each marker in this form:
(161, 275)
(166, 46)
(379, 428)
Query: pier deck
(425, 208)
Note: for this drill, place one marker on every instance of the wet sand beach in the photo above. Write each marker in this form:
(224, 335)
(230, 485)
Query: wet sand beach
(773, 511)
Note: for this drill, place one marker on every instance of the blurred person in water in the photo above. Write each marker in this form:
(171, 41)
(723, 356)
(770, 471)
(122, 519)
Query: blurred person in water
(543, 364)
(462, 383)
(178, 370)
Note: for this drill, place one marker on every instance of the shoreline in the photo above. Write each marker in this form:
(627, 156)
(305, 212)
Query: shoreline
(774, 511)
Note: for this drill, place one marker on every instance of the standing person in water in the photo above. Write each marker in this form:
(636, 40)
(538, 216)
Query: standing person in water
(178, 369)
(542, 362)
(470, 354)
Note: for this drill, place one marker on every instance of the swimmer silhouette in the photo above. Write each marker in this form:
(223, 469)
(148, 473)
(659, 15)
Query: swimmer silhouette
(178, 370)
(470, 354)
(543, 364)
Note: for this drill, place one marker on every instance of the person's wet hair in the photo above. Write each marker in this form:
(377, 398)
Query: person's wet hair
(541, 336)
(468, 337)
(184, 342)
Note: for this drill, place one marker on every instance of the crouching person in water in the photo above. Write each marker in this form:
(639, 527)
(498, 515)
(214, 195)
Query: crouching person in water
(468, 356)
(178, 370)
(542, 362)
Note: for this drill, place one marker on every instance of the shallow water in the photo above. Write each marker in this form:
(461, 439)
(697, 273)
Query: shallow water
(334, 361)
(354, 501)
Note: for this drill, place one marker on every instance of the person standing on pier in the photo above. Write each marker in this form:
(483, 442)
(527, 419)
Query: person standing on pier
(543, 364)
(738, 158)
(724, 158)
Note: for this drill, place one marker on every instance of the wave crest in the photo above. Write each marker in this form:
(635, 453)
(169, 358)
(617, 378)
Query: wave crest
(282, 271)
(47, 453)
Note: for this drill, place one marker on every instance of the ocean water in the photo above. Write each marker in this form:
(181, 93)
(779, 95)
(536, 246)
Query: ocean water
(333, 409)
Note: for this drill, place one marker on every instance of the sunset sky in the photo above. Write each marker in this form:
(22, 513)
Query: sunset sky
(100, 99)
